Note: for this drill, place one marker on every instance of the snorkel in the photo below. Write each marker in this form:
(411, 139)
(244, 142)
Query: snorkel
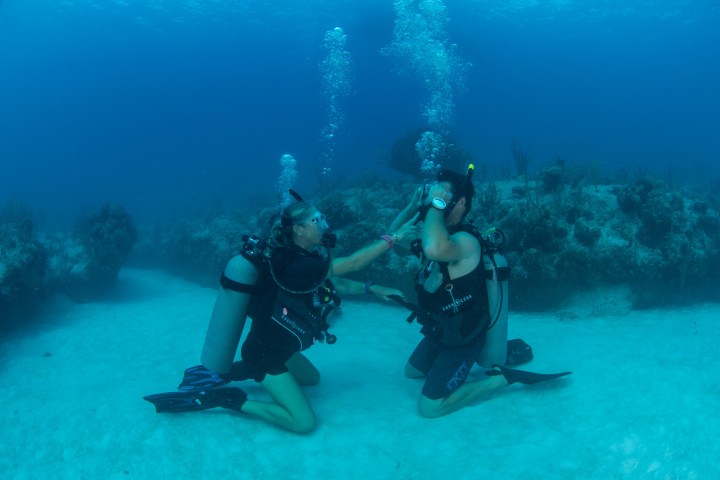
(467, 181)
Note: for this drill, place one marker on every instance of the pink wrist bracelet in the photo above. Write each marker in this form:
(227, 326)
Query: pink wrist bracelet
(389, 239)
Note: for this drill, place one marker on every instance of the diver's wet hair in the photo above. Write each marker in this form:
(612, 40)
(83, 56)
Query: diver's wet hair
(281, 234)
(460, 184)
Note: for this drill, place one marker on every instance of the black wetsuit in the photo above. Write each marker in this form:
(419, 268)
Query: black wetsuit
(270, 342)
(454, 329)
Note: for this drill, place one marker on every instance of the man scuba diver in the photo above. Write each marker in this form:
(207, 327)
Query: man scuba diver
(462, 305)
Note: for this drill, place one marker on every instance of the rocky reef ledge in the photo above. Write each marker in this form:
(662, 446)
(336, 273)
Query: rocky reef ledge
(610, 246)
(634, 245)
(81, 263)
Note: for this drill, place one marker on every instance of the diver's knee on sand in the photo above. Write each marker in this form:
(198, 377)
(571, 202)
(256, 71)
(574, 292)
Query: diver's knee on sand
(412, 372)
(429, 408)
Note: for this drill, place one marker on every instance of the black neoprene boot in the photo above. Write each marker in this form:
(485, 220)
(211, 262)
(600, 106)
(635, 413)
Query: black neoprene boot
(232, 398)
(521, 376)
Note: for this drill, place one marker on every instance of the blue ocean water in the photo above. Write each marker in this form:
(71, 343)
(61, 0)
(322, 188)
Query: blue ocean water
(170, 106)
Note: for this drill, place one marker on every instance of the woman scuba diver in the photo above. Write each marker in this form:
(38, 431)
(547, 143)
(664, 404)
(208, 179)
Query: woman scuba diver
(288, 289)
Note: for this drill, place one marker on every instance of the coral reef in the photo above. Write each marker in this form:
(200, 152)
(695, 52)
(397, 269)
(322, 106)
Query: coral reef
(522, 158)
(642, 235)
(569, 237)
(85, 262)
(647, 244)
(199, 248)
(22, 262)
(82, 263)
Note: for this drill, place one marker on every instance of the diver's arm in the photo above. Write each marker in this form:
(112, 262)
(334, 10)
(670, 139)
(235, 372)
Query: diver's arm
(362, 258)
(405, 232)
(436, 240)
(439, 245)
(346, 286)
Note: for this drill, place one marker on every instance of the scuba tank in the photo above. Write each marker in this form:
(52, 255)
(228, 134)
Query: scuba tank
(497, 274)
(231, 308)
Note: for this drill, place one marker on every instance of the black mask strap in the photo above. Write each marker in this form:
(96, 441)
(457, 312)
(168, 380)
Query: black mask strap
(295, 195)
(286, 221)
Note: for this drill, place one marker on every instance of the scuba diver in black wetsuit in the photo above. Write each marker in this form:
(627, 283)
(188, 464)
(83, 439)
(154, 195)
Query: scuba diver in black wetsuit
(459, 324)
(286, 289)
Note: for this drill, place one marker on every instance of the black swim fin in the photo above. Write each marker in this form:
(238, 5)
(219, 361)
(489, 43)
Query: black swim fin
(233, 398)
(521, 376)
(200, 378)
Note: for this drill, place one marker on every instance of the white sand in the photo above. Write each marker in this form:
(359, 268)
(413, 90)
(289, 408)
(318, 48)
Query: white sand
(643, 401)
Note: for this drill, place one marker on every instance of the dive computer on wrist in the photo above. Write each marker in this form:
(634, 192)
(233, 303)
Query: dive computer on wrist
(439, 203)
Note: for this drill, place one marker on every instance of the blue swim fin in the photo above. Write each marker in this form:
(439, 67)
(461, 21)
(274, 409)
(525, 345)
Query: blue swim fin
(200, 378)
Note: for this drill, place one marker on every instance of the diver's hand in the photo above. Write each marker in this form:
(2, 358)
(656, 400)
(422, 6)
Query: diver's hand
(438, 191)
(408, 211)
(416, 200)
(407, 232)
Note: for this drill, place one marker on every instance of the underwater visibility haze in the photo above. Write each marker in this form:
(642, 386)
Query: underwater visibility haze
(170, 107)
(141, 139)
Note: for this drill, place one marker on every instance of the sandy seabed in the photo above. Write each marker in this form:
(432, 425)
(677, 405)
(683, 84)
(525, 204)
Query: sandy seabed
(642, 403)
